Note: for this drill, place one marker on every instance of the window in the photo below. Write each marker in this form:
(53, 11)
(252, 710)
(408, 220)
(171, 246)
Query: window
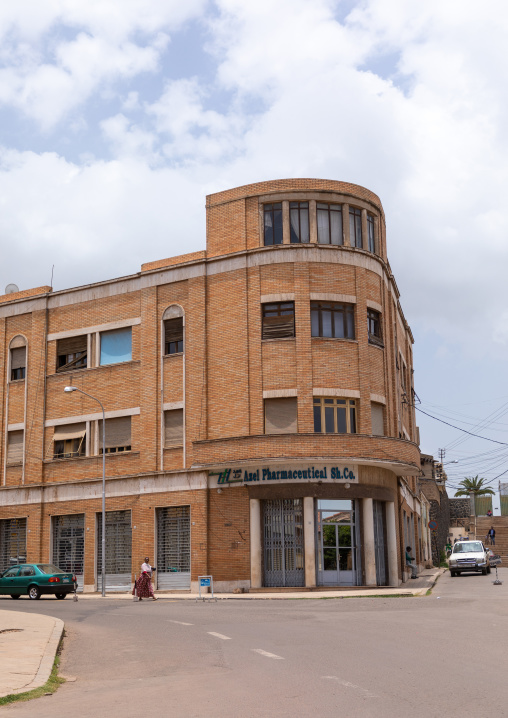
(69, 441)
(377, 419)
(330, 319)
(273, 223)
(334, 416)
(355, 227)
(281, 416)
(18, 363)
(116, 346)
(299, 222)
(118, 435)
(329, 223)
(71, 353)
(173, 336)
(27, 571)
(15, 447)
(11, 573)
(173, 428)
(370, 231)
(278, 320)
(374, 324)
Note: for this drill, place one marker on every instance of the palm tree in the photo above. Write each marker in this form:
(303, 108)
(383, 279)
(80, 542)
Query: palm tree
(474, 485)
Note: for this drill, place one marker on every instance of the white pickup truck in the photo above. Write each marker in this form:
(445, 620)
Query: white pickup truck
(469, 556)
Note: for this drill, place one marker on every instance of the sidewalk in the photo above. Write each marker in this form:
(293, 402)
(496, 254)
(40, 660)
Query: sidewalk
(28, 645)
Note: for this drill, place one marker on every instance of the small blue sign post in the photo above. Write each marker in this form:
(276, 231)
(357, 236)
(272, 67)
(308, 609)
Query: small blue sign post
(205, 582)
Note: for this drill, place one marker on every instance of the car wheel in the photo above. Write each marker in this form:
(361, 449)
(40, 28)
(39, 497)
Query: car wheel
(488, 569)
(60, 596)
(452, 574)
(15, 595)
(484, 571)
(34, 593)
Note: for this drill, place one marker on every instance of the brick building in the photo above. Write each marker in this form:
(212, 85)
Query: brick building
(257, 396)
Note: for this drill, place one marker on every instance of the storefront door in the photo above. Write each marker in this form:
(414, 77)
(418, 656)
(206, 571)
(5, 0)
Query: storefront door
(12, 542)
(283, 549)
(336, 542)
(380, 543)
(69, 544)
(173, 548)
(118, 550)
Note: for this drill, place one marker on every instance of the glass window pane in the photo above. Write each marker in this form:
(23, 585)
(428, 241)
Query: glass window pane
(329, 536)
(352, 419)
(336, 227)
(341, 420)
(323, 228)
(329, 420)
(330, 559)
(345, 559)
(277, 224)
(314, 322)
(329, 401)
(358, 232)
(344, 533)
(338, 324)
(268, 225)
(317, 419)
(326, 319)
(116, 346)
(350, 318)
(304, 225)
(294, 222)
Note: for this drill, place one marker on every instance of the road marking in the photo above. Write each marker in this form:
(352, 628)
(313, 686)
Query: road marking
(182, 623)
(266, 654)
(219, 635)
(347, 684)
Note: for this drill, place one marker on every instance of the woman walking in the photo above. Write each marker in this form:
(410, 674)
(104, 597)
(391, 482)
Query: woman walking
(143, 586)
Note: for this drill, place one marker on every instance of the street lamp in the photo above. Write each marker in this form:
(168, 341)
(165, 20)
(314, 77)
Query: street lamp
(70, 389)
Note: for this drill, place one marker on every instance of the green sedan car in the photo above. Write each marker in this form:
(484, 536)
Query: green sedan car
(34, 579)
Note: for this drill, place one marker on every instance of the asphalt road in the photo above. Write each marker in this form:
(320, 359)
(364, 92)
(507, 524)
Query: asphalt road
(441, 655)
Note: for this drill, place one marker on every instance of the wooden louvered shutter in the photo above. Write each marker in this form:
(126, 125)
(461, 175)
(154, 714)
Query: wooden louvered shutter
(281, 416)
(71, 345)
(18, 358)
(15, 447)
(173, 427)
(279, 327)
(118, 432)
(173, 330)
(377, 418)
(69, 431)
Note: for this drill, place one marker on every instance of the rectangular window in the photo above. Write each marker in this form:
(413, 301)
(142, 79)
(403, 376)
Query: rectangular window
(15, 447)
(329, 223)
(273, 223)
(71, 353)
(69, 441)
(278, 320)
(173, 336)
(370, 230)
(330, 319)
(173, 427)
(334, 416)
(281, 416)
(374, 324)
(299, 222)
(355, 227)
(377, 419)
(116, 346)
(118, 435)
(18, 363)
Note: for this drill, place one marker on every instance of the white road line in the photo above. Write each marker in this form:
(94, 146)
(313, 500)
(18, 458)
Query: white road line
(182, 623)
(266, 654)
(347, 684)
(219, 635)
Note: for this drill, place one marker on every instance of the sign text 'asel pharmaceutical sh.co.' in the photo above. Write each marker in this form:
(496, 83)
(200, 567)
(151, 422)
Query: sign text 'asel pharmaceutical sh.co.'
(302, 472)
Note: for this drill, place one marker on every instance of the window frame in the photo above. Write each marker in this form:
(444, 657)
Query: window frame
(351, 414)
(329, 208)
(371, 232)
(355, 227)
(375, 339)
(344, 308)
(75, 453)
(269, 209)
(22, 369)
(299, 208)
(177, 344)
(271, 307)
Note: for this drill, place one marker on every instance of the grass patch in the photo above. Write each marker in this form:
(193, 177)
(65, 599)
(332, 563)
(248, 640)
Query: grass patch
(51, 685)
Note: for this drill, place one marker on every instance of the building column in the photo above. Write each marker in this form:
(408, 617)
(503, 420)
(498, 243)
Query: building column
(369, 549)
(309, 537)
(255, 543)
(391, 540)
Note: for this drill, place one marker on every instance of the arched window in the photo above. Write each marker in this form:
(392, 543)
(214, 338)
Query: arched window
(173, 330)
(17, 349)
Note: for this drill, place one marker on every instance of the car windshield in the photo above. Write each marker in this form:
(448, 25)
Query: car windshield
(49, 568)
(469, 547)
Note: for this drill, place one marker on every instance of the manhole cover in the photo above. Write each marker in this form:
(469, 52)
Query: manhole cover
(10, 630)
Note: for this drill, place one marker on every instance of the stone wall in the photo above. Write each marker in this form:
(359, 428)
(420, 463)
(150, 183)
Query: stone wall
(460, 508)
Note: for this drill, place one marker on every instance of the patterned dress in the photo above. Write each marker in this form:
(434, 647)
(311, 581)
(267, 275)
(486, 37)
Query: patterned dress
(143, 586)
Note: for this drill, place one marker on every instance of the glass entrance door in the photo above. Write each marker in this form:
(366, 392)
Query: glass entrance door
(336, 542)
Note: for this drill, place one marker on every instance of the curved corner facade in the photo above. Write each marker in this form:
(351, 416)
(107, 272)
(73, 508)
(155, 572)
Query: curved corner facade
(258, 399)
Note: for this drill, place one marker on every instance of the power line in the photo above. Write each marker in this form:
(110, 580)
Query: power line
(478, 436)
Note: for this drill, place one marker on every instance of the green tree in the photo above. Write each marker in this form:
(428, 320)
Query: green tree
(474, 485)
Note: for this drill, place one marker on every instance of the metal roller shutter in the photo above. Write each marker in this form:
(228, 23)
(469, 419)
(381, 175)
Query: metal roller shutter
(69, 544)
(173, 548)
(283, 542)
(118, 550)
(12, 543)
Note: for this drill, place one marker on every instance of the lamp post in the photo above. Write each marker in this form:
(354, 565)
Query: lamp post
(103, 562)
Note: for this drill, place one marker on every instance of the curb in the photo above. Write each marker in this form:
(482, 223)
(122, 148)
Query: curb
(47, 660)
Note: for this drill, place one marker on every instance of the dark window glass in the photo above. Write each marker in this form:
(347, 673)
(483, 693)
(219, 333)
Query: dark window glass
(355, 227)
(278, 320)
(331, 319)
(273, 223)
(299, 222)
(173, 336)
(374, 325)
(317, 419)
(18, 373)
(329, 223)
(334, 416)
(69, 448)
(72, 361)
(18, 363)
(370, 229)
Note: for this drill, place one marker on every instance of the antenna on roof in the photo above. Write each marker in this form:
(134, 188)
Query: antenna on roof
(11, 289)
(52, 270)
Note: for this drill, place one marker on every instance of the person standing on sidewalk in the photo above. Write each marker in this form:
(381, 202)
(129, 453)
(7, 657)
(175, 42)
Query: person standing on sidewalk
(492, 535)
(143, 586)
(409, 562)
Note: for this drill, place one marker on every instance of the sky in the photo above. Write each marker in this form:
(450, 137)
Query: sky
(117, 117)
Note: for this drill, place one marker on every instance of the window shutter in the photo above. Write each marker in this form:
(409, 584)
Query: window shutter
(173, 330)
(18, 358)
(71, 345)
(281, 416)
(279, 327)
(377, 418)
(118, 432)
(15, 447)
(173, 427)
(69, 431)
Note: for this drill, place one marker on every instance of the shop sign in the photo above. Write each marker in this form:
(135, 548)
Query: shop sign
(298, 473)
